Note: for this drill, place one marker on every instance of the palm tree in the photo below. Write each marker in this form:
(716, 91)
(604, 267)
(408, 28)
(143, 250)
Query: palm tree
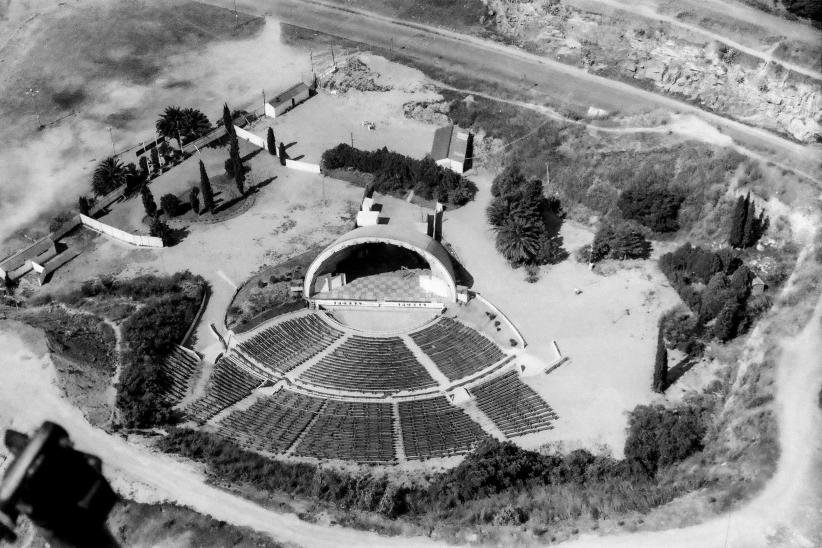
(518, 239)
(194, 123)
(108, 175)
(170, 124)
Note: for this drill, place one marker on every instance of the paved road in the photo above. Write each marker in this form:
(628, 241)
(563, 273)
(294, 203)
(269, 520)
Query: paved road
(526, 76)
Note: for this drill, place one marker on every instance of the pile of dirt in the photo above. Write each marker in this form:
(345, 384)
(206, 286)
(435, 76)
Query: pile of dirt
(432, 112)
(354, 74)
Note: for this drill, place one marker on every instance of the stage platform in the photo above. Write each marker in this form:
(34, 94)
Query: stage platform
(398, 286)
(383, 320)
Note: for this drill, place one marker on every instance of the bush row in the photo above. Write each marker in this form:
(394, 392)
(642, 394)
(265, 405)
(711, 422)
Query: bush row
(395, 173)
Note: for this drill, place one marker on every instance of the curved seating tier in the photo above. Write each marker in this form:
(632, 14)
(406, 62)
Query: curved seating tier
(179, 369)
(228, 384)
(456, 349)
(370, 364)
(357, 431)
(435, 428)
(513, 406)
(273, 423)
(288, 344)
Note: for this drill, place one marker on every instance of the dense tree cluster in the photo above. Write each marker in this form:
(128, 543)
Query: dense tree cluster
(746, 227)
(182, 124)
(170, 204)
(169, 306)
(653, 206)
(714, 285)
(620, 240)
(522, 216)
(659, 436)
(395, 173)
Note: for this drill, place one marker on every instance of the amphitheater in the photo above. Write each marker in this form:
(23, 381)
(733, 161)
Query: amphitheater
(382, 366)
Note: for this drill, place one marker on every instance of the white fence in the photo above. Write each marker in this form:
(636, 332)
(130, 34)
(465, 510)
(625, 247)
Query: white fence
(302, 166)
(123, 236)
(250, 137)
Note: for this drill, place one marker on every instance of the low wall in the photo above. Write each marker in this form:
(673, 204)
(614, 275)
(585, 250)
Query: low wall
(196, 320)
(67, 227)
(302, 166)
(103, 202)
(123, 236)
(251, 138)
(499, 313)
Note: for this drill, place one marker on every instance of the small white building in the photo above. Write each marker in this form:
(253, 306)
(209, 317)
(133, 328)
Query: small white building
(452, 148)
(19, 264)
(286, 100)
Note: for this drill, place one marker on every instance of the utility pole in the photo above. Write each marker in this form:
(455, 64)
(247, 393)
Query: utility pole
(263, 101)
(333, 61)
(352, 139)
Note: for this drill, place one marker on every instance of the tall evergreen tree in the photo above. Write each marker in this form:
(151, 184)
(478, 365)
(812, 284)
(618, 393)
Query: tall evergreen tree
(228, 121)
(749, 230)
(194, 199)
(736, 238)
(281, 153)
(237, 164)
(205, 187)
(148, 201)
(155, 159)
(660, 364)
(84, 204)
(271, 143)
(144, 164)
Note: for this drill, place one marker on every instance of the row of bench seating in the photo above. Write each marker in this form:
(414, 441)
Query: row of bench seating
(271, 424)
(287, 344)
(456, 349)
(370, 364)
(179, 369)
(228, 384)
(435, 428)
(513, 406)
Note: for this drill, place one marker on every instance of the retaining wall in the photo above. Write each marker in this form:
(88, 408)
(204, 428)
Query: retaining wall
(123, 236)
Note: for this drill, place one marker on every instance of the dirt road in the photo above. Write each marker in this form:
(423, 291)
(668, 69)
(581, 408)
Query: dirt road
(526, 76)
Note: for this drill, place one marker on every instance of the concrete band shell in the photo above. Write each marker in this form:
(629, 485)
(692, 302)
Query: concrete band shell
(406, 237)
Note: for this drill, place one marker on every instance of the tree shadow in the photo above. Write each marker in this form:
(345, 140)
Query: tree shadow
(300, 157)
(178, 235)
(250, 155)
(264, 183)
(676, 372)
(289, 145)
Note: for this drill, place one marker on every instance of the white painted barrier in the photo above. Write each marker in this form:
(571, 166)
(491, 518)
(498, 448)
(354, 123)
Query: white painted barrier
(123, 236)
(250, 137)
(302, 166)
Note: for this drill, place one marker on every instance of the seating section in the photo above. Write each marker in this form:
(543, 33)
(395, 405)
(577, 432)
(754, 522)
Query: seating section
(179, 369)
(357, 431)
(288, 344)
(456, 349)
(435, 428)
(273, 423)
(228, 384)
(513, 406)
(370, 364)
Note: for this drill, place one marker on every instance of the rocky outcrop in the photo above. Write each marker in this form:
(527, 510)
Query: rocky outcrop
(708, 74)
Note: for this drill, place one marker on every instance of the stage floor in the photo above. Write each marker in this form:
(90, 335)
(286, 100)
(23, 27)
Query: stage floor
(402, 285)
(383, 320)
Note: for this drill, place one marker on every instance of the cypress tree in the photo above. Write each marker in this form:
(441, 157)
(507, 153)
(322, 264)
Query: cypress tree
(84, 205)
(749, 231)
(237, 164)
(228, 121)
(660, 364)
(281, 153)
(143, 164)
(271, 144)
(205, 187)
(155, 159)
(194, 199)
(148, 201)
(736, 236)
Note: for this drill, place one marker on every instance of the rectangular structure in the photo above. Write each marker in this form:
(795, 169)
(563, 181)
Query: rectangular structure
(287, 100)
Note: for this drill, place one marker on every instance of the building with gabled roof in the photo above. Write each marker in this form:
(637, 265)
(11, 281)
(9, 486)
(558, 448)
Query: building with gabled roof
(452, 148)
(286, 100)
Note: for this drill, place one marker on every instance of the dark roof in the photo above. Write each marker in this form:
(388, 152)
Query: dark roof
(288, 94)
(33, 251)
(450, 142)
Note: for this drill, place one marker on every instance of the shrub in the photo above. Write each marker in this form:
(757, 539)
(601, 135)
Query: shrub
(660, 436)
(170, 204)
(623, 240)
(61, 219)
(656, 208)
